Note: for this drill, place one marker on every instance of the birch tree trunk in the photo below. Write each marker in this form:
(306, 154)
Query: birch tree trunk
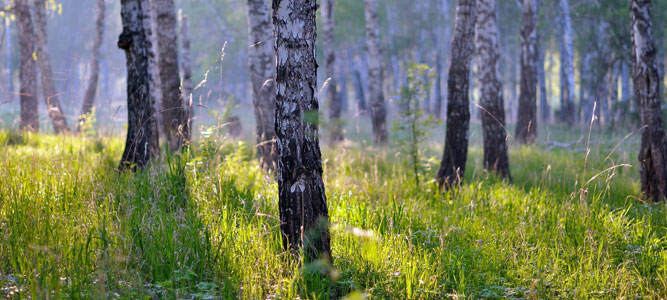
(567, 64)
(646, 78)
(625, 91)
(302, 200)
(526, 128)
(141, 144)
(29, 120)
(442, 39)
(375, 76)
(186, 85)
(44, 61)
(359, 90)
(491, 89)
(335, 105)
(612, 92)
(173, 112)
(8, 58)
(437, 106)
(342, 78)
(545, 110)
(89, 97)
(262, 64)
(455, 152)
(586, 92)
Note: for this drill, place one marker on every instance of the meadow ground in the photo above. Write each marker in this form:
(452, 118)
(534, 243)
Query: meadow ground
(203, 224)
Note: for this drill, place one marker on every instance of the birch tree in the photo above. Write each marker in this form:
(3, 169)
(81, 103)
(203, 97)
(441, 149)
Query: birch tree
(89, 97)
(526, 128)
(335, 103)
(186, 85)
(442, 39)
(567, 112)
(375, 76)
(51, 98)
(302, 202)
(141, 143)
(29, 119)
(647, 88)
(173, 110)
(455, 152)
(491, 89)
(262, 64)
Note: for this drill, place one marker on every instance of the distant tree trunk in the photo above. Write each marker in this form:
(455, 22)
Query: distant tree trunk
(545, 110)
(442, 38)
(89, 97)
(455, 154)
(437, 106)
(653, 152)
(302, 201)
(8, 58)
(625, 91)
(28, 71)
(587, 90)
(601, 90)
(612, 92)
(48, 86)
(602, 67)
(567, 64)
(342, 74)
(262, 62)
(186, 86)
(378, 106)
(514, 94)
(335, 105)
(526, 128)
(173, 110)
(141, 144)
(359, 90)
(491, 89)
(396, 76)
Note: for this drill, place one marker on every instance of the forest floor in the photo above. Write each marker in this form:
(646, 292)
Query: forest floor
(204, 224)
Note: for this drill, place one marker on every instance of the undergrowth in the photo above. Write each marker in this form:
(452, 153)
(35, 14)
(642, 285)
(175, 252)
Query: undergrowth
(204, 225)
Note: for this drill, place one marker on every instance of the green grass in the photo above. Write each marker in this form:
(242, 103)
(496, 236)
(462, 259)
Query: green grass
(203, 225)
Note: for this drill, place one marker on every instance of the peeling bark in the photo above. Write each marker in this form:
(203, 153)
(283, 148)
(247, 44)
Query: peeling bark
(455, 154)
(526, 128)
(262, 64)
(375, 76)
(29, 120)
(491, 89)
(647, 83)
(302, 201)
(44, 61)
(89, 97)
(141, 144)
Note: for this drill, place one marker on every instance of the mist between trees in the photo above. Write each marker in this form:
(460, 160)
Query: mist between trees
(443, 94)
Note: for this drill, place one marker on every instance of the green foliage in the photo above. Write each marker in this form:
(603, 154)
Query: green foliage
(87, 123)
(413, 125)
(204, 225)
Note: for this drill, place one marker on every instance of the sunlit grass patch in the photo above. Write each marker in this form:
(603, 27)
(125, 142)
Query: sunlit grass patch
(204, 224)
